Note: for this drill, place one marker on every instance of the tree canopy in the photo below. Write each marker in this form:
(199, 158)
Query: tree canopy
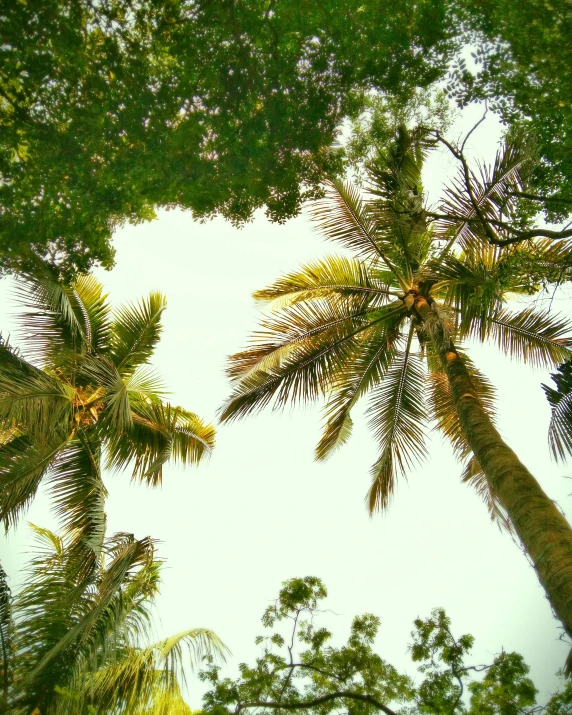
(299, 669)
(85, 386)
(70, 648)
(109, 109)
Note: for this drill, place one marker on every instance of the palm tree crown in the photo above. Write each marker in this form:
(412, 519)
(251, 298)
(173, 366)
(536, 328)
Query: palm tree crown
(377, 323)
(85, 391)
(69, 648)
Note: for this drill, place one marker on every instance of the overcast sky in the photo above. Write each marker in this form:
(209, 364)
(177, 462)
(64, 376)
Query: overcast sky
(261, 510)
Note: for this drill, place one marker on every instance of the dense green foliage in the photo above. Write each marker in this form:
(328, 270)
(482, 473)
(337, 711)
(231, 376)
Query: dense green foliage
(74, 648)
(85, 386)
(300, 670)
(109, 109)
(522, 66)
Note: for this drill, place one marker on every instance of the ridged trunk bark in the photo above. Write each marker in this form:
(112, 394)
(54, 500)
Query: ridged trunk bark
(542, 529)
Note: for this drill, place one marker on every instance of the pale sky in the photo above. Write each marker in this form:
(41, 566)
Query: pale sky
(262, 511)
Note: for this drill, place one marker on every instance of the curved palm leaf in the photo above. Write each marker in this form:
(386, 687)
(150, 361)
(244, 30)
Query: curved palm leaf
(535, 337)
(311, 345)
(398, 419)
(366, 369)
(23, 464)
(31, 399)
(159, 433)
(135, 333)
(79, 498)
(88, 642)
(334, 276)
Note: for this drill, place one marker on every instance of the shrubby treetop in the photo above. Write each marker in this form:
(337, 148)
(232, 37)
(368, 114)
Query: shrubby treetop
(110, 109)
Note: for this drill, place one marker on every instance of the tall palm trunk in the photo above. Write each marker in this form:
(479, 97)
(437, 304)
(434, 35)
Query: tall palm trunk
(543, 531)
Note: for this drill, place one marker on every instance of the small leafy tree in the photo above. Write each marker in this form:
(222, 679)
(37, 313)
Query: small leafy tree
(299, 670)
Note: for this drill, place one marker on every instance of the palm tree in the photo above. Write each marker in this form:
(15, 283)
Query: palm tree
(390, 321)
(70, 648)
(84, 398)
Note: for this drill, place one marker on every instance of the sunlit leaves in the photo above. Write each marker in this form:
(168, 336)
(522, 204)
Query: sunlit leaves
(135, 333)
(93, 389)
(333, 327)
(398, 419)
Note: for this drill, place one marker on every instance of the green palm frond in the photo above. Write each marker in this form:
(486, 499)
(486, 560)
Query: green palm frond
(560, 400)
(535, 337)
(150, 677)
(332, 277)
(344, 217)
(30, 399)
(79, 498)
(471, 285)
(398, 420)
(311, 326)
(135, 333)
(311, 344)
(55, 323)
(358, 376)
(96, 312)
(103, 611)
(23, 464)
(6, 638)
(474, 476)
(159, 433)
(490, 198)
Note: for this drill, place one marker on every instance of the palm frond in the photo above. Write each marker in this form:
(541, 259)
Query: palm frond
(491, 195)
(560, 400)
(398, 419)
(159, 433)
(79, 498)
(361, 374)
(103, 611)
(474, 476)
(146, 677)
(300, 354)
(6, 637)
(334, 276)
(96, 312)
(32, 400)
(23, 464)
(344, 217)
(135, 333)
(55, 323)
(535, 337)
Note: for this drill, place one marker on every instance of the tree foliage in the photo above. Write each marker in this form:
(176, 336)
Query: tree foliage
(84, 399)
(110, 109)
(86, 648)
(520, 64)
(299, 669)
(344, 328)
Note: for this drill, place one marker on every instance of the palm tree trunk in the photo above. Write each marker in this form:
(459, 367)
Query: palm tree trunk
(542, 529)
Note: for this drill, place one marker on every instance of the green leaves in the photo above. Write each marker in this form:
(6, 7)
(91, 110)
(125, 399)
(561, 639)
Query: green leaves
(94, 390)
(298, 668)
(135, 333)
(398, 420)
(88, 638)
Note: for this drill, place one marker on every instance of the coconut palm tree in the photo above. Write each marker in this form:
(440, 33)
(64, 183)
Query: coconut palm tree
(69, 648)
(390, 321)
(85, 398)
